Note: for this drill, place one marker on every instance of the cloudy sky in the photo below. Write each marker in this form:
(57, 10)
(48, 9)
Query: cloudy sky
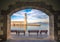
(33, 15)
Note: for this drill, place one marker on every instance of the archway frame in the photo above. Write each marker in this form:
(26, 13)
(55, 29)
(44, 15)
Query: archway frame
(16, 7)
(51, 19)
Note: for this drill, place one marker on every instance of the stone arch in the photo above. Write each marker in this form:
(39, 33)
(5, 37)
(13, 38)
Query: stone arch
(44, 10)
(37, 5)
(33, 7)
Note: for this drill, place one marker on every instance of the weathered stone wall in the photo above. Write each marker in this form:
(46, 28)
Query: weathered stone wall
(6, 27)
(5, 3)
(58, 24)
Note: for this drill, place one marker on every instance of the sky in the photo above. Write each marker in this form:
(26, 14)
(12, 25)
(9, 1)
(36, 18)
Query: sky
(33, 15)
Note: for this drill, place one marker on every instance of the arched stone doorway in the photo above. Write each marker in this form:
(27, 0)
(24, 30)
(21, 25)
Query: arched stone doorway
(46, 11)
(39, 6)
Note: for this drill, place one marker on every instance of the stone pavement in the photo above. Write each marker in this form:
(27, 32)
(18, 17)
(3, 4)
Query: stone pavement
(29, 41)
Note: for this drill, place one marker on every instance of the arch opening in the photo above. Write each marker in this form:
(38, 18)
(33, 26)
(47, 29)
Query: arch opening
(30, 20)
(50, 21)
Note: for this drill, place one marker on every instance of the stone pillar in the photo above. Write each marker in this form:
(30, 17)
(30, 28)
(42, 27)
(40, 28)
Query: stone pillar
(57, 16)
(5, 27)
(51, 27)
(55, 27)
(8, 27)
(58, 27)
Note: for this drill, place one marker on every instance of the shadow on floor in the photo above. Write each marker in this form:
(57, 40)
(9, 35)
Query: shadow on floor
(29, 41)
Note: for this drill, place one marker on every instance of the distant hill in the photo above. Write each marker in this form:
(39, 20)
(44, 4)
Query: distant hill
(39, 23)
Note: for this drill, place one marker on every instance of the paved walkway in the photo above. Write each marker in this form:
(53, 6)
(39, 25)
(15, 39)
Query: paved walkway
(26, 38)
(28, 41)
(33, 36)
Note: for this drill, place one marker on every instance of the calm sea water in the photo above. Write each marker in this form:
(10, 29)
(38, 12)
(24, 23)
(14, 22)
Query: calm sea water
(41, 27)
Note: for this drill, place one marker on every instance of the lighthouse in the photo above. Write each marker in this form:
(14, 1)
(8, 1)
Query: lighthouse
(25, 21)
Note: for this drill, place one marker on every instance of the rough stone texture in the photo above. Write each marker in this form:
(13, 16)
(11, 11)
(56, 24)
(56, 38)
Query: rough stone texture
(4, 3)
(21, 5)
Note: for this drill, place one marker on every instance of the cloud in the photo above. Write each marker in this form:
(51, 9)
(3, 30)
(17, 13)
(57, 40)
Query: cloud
(20, 13)
(33, 15)
(37, 14)
(38, 20)
(15, 14)
(17, 19)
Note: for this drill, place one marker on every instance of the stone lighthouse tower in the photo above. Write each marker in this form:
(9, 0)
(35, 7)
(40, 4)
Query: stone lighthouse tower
(25, 21)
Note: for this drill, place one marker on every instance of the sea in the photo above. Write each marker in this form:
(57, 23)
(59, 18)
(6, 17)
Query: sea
(43, 26)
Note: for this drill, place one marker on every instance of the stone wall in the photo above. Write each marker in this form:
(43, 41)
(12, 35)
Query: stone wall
(58, 24)
(55, 21)
(5, 3)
